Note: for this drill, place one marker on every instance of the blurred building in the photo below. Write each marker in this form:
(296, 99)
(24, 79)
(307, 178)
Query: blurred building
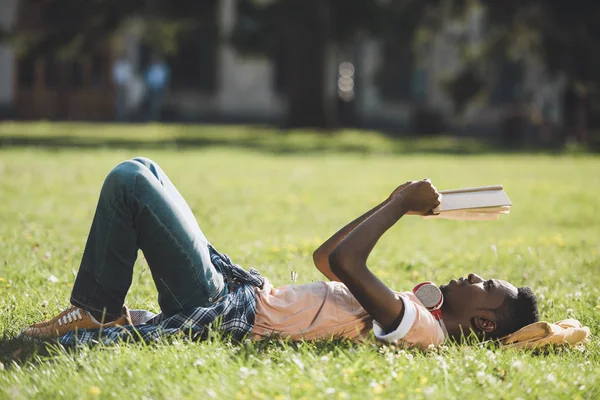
(42, 87)
(373, 83)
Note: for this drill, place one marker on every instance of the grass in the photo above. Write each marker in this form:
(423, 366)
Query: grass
(267, 199)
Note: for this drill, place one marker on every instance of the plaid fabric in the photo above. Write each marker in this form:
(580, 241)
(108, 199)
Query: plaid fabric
(233, 315)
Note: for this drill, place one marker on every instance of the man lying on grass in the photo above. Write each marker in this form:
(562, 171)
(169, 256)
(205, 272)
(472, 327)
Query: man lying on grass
(139, 208)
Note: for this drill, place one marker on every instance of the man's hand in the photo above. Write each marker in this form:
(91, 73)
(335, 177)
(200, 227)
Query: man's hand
(418, 197)
(399, 189)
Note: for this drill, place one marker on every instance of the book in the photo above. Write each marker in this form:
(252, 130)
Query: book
(483, 203)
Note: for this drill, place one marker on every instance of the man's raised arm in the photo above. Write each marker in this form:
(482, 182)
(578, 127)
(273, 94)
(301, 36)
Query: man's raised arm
(348, 260)
(321, 255)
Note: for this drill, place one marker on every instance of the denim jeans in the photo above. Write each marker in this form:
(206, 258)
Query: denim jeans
(139, 208)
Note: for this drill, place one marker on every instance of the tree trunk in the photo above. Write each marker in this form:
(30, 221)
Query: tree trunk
(305, 43)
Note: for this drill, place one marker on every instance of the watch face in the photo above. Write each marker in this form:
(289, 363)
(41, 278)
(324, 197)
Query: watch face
(430, 295)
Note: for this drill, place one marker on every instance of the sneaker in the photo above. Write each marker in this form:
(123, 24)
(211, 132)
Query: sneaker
(72, 318)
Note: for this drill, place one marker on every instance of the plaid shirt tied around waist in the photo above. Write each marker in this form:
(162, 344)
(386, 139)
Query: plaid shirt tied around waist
(233, 315)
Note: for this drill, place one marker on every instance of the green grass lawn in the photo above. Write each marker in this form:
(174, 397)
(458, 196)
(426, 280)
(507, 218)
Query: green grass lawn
(268, 199)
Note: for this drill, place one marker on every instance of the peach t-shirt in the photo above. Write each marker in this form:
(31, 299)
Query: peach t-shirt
(320, 310)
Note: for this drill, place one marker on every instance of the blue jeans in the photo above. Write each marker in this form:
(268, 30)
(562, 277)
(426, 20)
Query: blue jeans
(139, 208)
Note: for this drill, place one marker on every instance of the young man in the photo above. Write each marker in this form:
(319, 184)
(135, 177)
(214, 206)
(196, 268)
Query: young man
(139, 208)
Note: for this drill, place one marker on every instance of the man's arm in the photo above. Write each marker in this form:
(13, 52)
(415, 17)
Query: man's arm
(321, 255)
(348, 260)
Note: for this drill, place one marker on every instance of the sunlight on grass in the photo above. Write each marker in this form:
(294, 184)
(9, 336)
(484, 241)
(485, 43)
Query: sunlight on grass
(268, 199)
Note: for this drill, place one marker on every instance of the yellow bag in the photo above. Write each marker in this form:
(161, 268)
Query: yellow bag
(540, 334)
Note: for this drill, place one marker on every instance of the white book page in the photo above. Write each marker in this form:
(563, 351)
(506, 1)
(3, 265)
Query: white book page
(477, 199)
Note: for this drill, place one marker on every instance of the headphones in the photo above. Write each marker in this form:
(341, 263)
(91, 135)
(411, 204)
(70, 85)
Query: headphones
(432, 298)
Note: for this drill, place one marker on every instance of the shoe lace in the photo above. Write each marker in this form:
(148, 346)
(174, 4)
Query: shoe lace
(71, 316)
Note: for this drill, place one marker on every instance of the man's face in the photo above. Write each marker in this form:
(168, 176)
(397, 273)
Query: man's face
(465, 299)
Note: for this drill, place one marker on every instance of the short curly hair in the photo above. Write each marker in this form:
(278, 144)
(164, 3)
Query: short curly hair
(515, 313)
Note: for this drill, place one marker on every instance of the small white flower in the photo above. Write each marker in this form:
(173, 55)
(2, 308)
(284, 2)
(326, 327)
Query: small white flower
(518, 365)
(199, 362)
(551, 377)
(330, 390)
(298, 362)
(53, 279)
(211, 393)
(480, 375)
(541, 296)
(389, 357)
(429, 390)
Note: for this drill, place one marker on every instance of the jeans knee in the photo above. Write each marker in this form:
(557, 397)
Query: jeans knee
(144, 161)
(124, 175)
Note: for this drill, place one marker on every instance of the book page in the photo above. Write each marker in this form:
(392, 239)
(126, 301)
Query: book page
(464, 216)
(476, 199)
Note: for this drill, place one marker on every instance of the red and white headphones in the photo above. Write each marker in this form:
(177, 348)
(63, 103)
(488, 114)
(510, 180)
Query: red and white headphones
(432, 298)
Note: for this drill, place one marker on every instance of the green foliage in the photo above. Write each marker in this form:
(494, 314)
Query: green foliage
(268, 200)
(72, 29)
(564, 35)
(260, 26)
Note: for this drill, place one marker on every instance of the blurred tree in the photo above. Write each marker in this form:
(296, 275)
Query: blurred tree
(302, 31)
(564, 35)
(72, 28)
(62, 32)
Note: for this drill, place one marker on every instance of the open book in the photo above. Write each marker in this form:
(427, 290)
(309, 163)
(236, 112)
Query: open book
(484, 203)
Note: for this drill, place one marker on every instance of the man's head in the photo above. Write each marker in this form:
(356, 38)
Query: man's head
(491, 308)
